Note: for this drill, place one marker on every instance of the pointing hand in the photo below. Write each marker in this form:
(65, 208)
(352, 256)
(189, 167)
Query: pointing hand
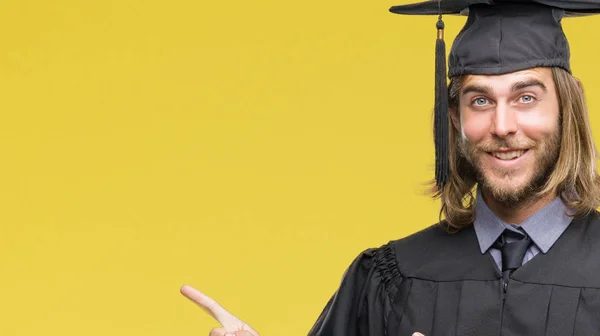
(231, 325)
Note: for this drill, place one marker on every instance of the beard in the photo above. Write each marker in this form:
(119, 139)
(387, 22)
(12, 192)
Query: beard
(502, 191)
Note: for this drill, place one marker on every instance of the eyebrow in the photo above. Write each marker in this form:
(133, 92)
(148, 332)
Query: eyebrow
(526, 84)
(483, 89)
(487, 90)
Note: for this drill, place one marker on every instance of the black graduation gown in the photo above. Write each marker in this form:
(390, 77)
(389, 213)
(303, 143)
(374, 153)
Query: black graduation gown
(440, 284)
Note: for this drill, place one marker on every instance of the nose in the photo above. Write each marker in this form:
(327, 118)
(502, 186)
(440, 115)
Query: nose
(504, 121)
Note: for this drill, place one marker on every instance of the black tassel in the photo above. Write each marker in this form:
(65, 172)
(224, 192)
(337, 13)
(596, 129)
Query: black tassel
(442, 164)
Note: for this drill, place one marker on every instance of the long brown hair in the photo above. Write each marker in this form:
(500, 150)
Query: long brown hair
(573, 177)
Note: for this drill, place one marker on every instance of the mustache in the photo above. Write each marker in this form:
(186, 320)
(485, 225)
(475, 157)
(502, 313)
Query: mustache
(504, 144)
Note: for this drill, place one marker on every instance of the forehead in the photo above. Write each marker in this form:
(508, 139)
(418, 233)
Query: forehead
(506, 81)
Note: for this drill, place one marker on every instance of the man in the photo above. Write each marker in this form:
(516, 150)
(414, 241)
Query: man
(516, 174)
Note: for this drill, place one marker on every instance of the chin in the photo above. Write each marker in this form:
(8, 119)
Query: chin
(509, 188)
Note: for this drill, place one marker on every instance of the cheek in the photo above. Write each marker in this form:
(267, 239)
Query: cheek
(475, 126)
(538, 126)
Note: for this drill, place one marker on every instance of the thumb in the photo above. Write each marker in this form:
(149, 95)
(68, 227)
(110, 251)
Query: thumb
(417, 334)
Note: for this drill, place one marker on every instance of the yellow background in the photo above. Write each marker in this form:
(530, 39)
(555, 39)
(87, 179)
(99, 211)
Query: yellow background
(249, 148)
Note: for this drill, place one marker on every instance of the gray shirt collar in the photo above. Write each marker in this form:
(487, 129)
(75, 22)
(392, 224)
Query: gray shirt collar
(544, 227)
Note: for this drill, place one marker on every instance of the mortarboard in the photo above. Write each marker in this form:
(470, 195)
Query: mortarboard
(498, 37)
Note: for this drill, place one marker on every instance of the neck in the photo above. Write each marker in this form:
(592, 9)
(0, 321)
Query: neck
(517, 213)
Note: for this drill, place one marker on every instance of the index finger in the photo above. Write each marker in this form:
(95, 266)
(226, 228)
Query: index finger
(209, 305)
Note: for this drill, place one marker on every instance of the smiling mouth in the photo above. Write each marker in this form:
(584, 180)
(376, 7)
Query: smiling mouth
(508, 155)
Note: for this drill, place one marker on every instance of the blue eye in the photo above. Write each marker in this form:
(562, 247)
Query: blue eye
(527, 99)
(480, 101)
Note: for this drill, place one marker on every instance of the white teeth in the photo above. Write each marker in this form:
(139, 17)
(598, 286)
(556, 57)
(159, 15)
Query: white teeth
(508, 155)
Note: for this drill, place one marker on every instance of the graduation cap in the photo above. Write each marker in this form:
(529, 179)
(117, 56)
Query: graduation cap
(499, 37)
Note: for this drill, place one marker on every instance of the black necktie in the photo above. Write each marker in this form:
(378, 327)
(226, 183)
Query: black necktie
(512, 252)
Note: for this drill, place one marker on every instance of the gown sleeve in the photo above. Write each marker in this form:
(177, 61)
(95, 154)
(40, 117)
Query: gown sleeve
(361, 304)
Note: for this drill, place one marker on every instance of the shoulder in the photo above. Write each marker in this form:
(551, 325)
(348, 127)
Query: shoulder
(433, 241)
(589, 220)
(573, 259)
(438, 255)
(418, 248)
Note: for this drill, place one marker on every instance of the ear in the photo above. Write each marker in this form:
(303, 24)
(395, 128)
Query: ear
(454, 117)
